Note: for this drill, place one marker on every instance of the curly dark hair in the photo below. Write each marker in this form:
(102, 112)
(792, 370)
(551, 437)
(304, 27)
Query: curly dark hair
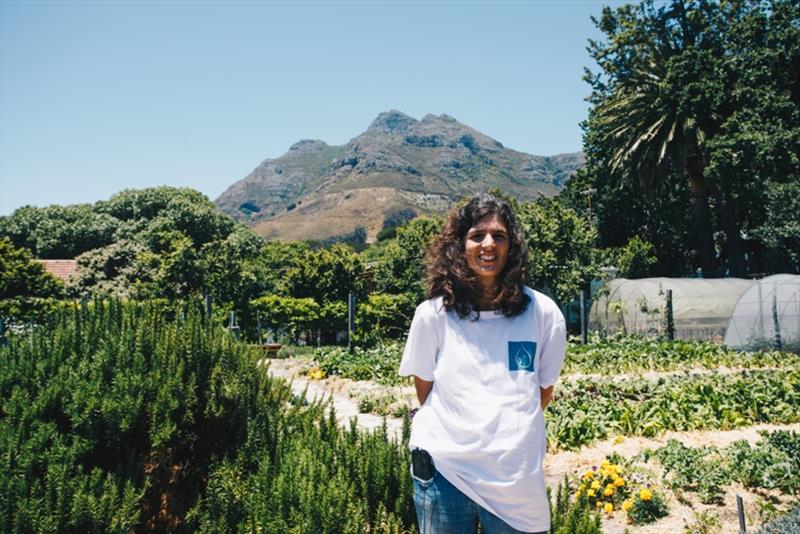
(448, 274)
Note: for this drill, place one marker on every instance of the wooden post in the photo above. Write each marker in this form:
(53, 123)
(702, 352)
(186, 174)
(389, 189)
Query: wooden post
(209, 308)
(776, 321)
(670, 317)
(740, 511)
(351, 320)
(233, 325)
(584, 334)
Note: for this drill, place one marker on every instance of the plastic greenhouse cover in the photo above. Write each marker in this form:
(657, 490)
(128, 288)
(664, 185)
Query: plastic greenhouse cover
(701, 307)
(767, 313)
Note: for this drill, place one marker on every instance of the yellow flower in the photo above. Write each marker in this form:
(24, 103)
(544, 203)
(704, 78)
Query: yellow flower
(619, 482)
(596, 485)
(588, 475)
(645, 494)
(590, 493)
(608, 492)
(605, 463)
(608, 508)
(582, 487)
(316, 374)
(599, 504)
(627, 505)
(618, 440)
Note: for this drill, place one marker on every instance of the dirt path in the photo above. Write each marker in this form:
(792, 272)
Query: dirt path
(656, 375)
(334, 391)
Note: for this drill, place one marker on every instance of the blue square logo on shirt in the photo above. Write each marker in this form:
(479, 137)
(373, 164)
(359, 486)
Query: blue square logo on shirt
(521, 355)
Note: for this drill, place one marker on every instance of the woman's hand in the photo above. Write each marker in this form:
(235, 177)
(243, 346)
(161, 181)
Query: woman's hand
(423, 389)
(545, 396)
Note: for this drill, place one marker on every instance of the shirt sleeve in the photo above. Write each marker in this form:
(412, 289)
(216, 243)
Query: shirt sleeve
(554, 347)
(422, 345)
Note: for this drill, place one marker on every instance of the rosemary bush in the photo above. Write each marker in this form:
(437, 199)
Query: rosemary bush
(123, 417)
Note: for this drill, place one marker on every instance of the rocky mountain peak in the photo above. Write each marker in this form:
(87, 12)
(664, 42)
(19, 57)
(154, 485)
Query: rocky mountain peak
(392, 122)
(430, 117)
(309, 144)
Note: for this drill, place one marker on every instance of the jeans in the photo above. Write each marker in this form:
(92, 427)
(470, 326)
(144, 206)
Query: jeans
(444, 509)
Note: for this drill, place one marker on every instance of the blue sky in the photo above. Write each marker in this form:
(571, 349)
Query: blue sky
(96, 97)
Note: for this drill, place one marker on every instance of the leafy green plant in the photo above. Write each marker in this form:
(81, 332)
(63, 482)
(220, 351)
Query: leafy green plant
(379, 363)
(708, 470)
(686, 468)
(645, 506)
(587, 409)
(631, 353)
(704, 522)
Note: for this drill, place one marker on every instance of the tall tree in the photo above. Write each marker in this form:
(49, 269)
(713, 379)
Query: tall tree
(560, 247)
(660, 96)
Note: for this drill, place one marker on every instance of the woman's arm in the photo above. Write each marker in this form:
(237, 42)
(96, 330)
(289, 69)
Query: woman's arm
(423, 389)
(545, 396)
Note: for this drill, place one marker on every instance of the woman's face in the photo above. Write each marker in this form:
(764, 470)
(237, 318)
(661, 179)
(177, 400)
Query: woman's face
(486, 248)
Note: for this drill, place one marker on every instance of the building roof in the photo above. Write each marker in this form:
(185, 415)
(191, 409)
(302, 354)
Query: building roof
(62, 269)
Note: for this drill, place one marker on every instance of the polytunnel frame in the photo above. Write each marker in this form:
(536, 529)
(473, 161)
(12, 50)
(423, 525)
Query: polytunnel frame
(787, 335)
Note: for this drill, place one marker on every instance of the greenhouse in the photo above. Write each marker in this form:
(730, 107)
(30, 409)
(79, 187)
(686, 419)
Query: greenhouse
(743, 313)
(767, 314)
(701, 307)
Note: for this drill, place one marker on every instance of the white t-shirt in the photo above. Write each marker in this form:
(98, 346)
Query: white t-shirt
(482, 423)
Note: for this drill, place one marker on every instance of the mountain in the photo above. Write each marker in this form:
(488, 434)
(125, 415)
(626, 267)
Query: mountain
(398, 168)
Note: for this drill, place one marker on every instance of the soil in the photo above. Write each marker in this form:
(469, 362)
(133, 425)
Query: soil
(686, 515)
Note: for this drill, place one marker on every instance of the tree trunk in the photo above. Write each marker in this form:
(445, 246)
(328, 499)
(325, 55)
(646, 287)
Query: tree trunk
(704, 237)
(733, 241)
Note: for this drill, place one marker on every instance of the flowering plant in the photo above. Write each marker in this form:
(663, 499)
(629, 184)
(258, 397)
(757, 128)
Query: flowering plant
(604, 488)
(611, 487)
(645, 506)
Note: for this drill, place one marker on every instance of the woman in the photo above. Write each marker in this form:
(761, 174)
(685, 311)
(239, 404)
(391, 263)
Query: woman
(485, 352)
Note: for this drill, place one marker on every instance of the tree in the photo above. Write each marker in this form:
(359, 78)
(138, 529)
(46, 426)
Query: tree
(702, 96)
(658, 101)
(400, 267)
(756, 155)
(110, 271)
(560, 246)
(275, 260)
(634, 260)
(623, 209)
(22, 276)
(326, 274)
(59, 232)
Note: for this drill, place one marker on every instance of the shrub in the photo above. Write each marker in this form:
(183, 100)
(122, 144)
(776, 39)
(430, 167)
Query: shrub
(125, 418)
(788, 524)
(569, 518)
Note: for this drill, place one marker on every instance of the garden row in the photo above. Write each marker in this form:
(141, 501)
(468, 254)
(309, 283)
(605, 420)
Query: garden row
(612, 356)
(586, 410)
(773, 464)
(631, 486)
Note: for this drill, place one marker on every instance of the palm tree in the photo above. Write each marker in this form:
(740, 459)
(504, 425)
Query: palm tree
(652, 111)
